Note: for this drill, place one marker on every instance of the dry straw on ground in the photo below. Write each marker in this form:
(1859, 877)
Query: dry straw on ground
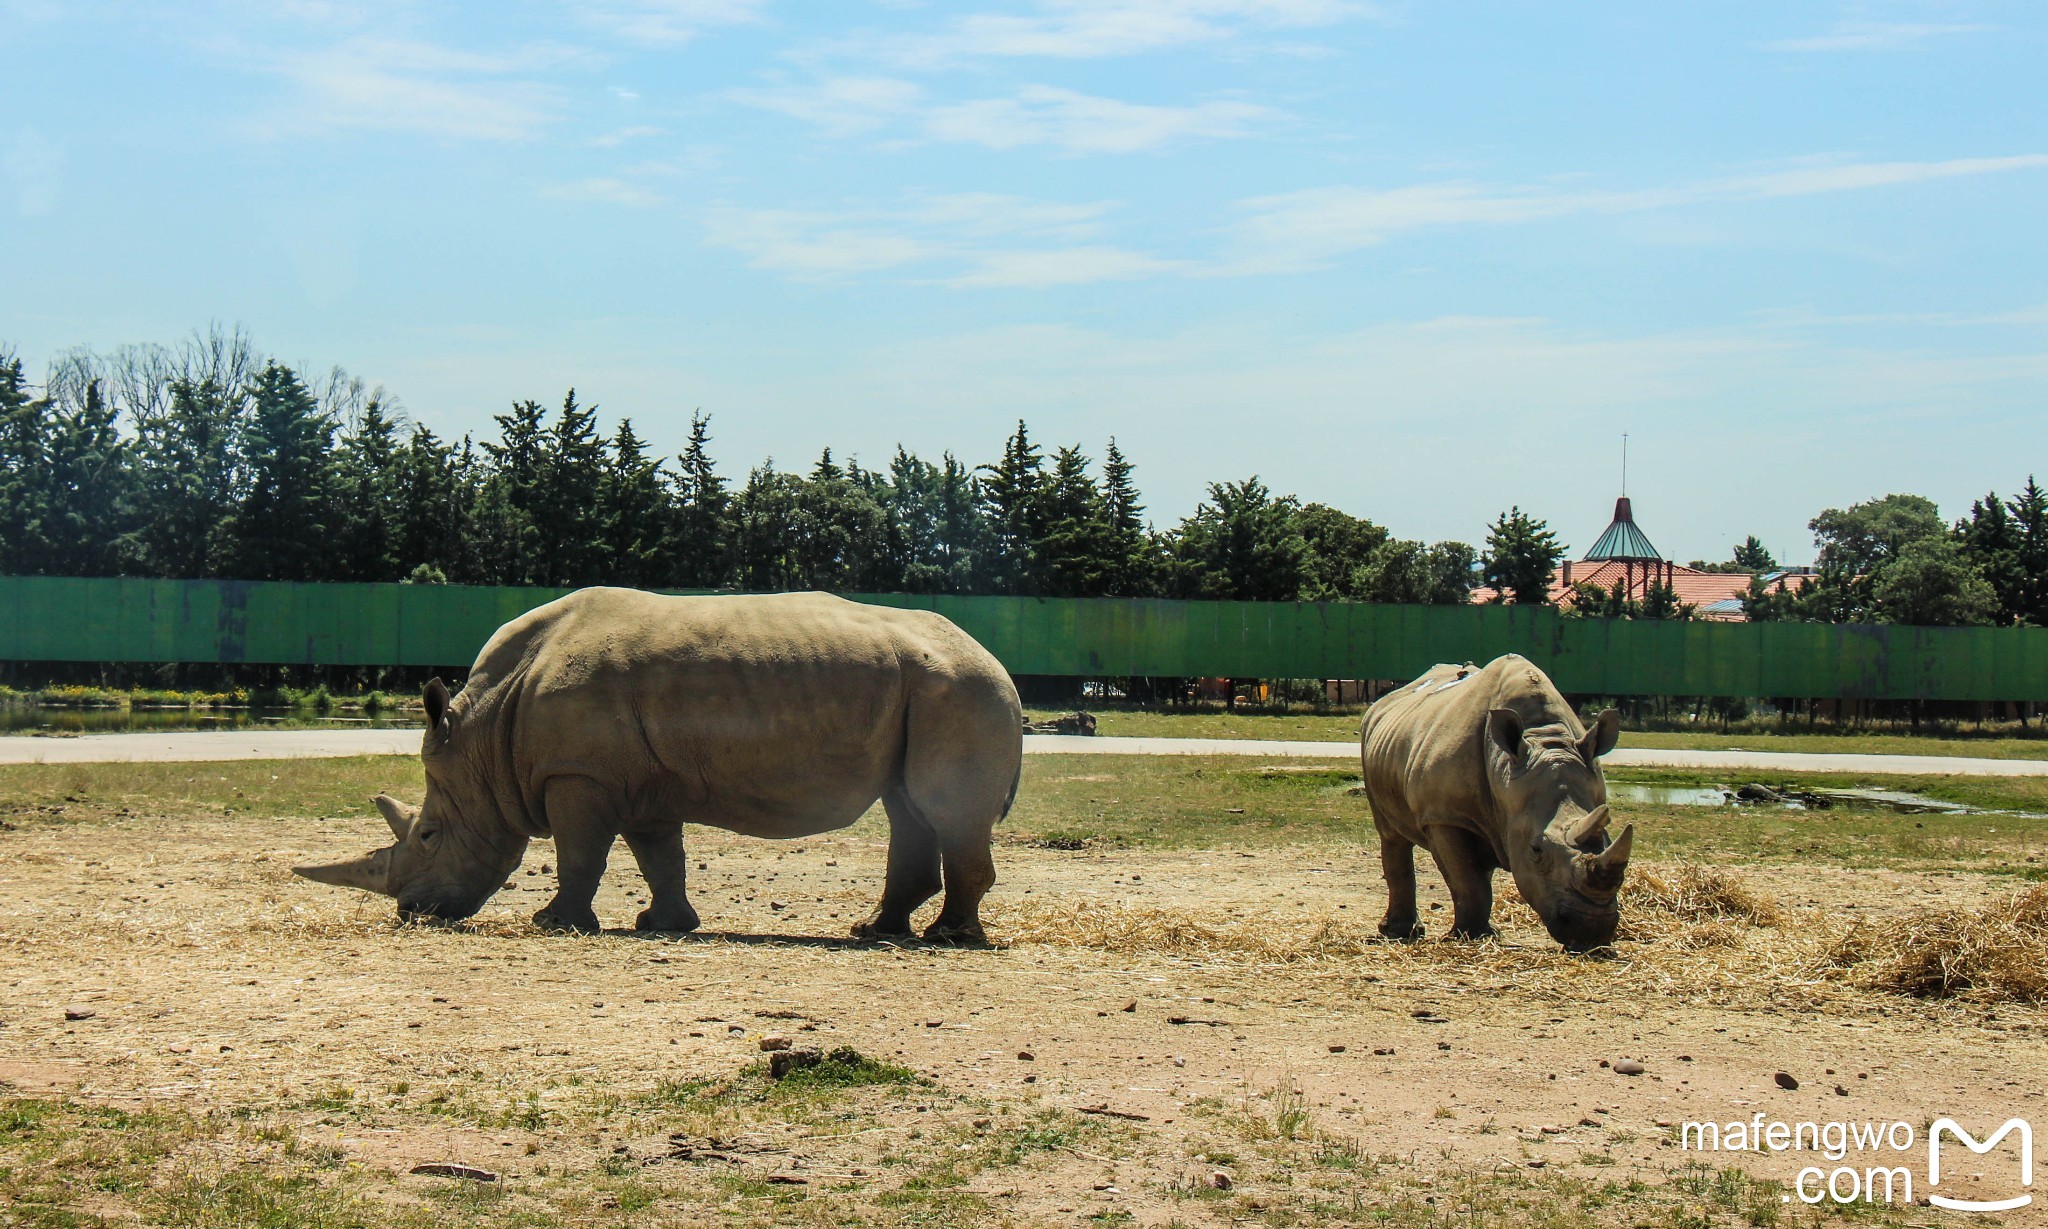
(1698, 932)
(1994, 952)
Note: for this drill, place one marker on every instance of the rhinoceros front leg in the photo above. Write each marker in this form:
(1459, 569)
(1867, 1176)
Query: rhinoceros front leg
(1469, 875)
(660, 855)
(1397, 864)
(580, 818)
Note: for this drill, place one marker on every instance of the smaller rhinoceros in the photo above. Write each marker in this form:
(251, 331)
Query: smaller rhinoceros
(612, 713)
(1489, 768)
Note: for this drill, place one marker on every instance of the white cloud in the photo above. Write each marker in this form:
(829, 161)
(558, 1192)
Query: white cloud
(618, 137)
(1302, 229)
(602, 190)
(1083, 123)
(1036, 115)
(666, 23)
(405, 86)
(1062, 267)
(967, 240)
(839, 106)
(1873, 36)
(1091, 29)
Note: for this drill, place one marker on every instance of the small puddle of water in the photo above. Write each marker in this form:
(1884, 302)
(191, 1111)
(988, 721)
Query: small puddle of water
(1897, 801)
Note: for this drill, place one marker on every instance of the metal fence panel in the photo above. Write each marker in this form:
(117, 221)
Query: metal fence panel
(62, 619)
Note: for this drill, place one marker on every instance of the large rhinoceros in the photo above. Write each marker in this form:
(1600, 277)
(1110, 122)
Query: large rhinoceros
(616, 713)
(1489, 768)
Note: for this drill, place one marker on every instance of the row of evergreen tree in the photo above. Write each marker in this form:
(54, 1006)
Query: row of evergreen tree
(207, 460)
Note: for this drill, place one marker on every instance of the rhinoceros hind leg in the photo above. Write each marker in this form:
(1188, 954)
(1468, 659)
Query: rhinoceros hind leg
(1468, 872)
(913, 874)
(970, 873)
(660, 855)
(1397, 864)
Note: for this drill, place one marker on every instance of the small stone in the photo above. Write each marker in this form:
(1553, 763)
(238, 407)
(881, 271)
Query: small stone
(981, 1124)
(1841, 1091)
(1538, 1164)
(1384, 1051)
(1629, 1066)
(179, 1047)
(1218, 1180)
(1131, 1006)
(775, 904)
(933, 1023)
(1178, 1061)
(773, 1042)
(735, 1030)
(1030, 1079)
(1786, 1081)
(79, 1013)
(1026, 1056)
(1553, 1130)
(1589, 1122)
(1336, 1049)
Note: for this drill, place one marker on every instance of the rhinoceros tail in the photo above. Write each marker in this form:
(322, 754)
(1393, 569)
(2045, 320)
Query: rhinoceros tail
(1011, 800)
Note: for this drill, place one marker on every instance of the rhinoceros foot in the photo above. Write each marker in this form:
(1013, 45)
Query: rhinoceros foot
(667, 919)
(1399, 934)
(876, 927)
(556, 918)
(956, 934)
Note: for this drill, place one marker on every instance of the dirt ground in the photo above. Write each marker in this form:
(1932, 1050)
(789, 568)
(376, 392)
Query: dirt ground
(1207, 1030)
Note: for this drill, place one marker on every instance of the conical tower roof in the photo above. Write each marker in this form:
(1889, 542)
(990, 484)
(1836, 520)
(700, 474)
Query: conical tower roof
(1623, 542)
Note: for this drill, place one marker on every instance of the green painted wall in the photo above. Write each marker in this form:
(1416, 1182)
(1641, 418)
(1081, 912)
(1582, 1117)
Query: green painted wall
(64, 619)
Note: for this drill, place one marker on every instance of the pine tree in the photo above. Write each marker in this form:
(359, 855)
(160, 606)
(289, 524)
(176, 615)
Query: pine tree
(570, 531)
(24, 428)
(2029, 600)
(432, 509)
(1074, 553)
(504, 501)
(1241, 544)
(280, 527)
(88, 502)
(1011, 495)
(634, 505)
(1521, 555)
(702, 538)
(191, 479)
(369, 518)
(1134, 573)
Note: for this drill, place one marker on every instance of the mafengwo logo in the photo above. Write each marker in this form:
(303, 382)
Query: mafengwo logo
(1881, 1183)
(1948, 1126)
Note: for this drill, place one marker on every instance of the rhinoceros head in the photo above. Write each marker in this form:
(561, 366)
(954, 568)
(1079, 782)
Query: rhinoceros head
(1554, 810)
(440, 865)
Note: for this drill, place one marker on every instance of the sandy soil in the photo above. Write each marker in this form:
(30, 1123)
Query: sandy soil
(215, 978)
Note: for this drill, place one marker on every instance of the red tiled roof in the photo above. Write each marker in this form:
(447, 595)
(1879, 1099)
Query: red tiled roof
(1694, 588)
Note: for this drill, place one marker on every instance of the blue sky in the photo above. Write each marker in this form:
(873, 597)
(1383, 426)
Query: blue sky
(1419, 261)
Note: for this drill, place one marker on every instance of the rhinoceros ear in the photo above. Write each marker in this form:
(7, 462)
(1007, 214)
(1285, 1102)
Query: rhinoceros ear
(436, 696)
(1506, 731)
(1600, 739)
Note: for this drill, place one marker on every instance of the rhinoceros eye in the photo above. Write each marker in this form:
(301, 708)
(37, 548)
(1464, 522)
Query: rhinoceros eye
(427, 834)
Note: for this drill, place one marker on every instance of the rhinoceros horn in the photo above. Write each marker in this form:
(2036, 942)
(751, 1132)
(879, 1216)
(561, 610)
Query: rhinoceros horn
(1590, 825)
(371, 873)
(396, 814)
(1602, 872)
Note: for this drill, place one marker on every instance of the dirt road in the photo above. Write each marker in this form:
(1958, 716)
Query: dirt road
(183, 746)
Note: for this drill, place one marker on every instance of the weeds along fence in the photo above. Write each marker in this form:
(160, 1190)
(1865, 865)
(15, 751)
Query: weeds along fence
(71, 620)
